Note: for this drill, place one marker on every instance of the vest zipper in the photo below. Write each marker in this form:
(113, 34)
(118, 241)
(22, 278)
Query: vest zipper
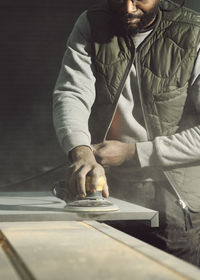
(180, 201)
(120, 89)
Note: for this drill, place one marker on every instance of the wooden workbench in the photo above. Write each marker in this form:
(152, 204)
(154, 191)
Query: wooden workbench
(84, 250)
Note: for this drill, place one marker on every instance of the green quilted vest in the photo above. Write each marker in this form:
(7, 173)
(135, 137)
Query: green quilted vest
(164, 63)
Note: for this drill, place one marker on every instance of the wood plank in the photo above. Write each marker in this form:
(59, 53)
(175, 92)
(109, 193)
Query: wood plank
(43, 206)
(173, 263)
(77, 250)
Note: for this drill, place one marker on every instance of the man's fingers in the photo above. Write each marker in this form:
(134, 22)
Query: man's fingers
(81, 181)
(99, 153)
(87, 178)
(97, 147)
(93, 181)
(105, 191)
(77, 180)
(102, 185)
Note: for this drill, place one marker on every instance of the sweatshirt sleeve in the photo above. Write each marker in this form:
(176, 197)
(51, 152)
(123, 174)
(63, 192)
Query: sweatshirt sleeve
(180, 148)
(74, 92)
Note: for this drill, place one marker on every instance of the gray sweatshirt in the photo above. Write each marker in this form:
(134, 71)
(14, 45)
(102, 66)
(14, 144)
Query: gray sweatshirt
(74, 96)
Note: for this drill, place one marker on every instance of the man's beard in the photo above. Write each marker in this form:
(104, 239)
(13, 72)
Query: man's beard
(126, 29)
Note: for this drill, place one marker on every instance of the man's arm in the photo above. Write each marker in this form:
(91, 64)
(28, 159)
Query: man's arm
(73, 97)
(74, 91)
(166, 151)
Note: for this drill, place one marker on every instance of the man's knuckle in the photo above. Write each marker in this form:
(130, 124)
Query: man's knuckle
(80, 175)
(95, 172)
(99, 168)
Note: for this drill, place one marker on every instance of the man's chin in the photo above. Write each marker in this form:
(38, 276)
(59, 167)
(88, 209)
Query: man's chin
(125, 29)
(131, 30)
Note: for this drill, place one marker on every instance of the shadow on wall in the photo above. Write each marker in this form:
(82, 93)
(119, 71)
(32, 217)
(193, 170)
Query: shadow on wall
(33, 37)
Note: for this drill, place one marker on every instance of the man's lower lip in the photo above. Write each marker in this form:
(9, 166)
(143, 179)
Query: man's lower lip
(135, 20)
(130, 21)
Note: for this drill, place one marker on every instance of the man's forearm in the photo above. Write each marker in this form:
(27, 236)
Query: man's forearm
(74, 92)
(165, 151)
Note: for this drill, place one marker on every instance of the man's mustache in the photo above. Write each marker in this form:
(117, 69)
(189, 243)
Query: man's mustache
(126, 17)
(131, 16)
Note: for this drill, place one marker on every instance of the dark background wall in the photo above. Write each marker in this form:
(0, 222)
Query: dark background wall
(33, 36)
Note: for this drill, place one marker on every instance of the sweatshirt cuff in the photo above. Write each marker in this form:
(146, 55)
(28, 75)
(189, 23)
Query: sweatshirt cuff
(146, 154)
(74, 140)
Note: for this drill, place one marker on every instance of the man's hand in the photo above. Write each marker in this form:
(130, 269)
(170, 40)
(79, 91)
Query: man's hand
(83, 164)
(114, 153)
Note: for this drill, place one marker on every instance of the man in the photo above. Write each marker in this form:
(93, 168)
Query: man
(126, 107)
